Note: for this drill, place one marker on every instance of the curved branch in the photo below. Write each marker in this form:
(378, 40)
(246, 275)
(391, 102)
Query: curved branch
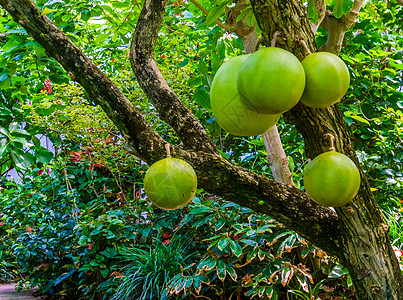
(171, 109)
(337, 28)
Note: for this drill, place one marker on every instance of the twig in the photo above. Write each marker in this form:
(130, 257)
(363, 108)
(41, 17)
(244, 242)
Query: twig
(330, 138)
(302, 42)
(274, 39)
(167, 148)
(205, 11)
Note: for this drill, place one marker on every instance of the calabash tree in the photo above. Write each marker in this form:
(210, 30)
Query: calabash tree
(355, 233)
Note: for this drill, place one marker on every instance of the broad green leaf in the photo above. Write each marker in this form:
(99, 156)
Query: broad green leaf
(235, 248)
(220, 223)
(223, 243)
(44, 156)
(202, 98)
(4, 111)
(312, 12)
(341, 7)
(232, 273)
(102, 37)
(337, 272)
(396, 65)
(21, 160)
(21, 132)
(216, 12)
(3, 146)
(4, 131)
(221, 270)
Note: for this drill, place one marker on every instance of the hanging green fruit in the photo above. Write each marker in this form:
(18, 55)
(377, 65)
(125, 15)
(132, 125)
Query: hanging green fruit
(227, 107)
(271, 81)
(170, 183)
(332, 179)
(327, 79)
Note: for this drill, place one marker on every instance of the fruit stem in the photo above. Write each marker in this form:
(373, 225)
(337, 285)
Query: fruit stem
(274, 40)
(167, 148)
(302, 42)
(330, 137)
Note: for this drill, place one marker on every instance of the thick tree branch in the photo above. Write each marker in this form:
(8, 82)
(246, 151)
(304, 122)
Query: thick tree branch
(337, 28)
(171, 109)
(288, 205)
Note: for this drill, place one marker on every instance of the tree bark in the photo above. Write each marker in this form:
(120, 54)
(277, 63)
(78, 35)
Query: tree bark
(366, 249)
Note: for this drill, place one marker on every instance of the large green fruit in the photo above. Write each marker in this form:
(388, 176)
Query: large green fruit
(332, 179)
(170, 183)
(271, 81)
(229, 112)
(327, 79)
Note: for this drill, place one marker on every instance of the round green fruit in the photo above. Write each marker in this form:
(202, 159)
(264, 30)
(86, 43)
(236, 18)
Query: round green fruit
(271, 81)
(170, 183)
(327, 79)
(332, 179)
(227, 107)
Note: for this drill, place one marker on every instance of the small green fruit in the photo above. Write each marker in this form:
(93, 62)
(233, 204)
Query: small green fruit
(327, 79)
(332, 179)
(271, 81)
(227, 107)
(170, 183)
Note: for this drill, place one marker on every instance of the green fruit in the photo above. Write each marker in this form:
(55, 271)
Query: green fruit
(332, 179)
(170, 183)
(229, 112)
(327, 79)
(271, 81)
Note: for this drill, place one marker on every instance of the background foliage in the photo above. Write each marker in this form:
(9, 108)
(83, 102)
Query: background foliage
(78, 224)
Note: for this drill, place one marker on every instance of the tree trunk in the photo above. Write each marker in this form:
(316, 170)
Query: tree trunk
(365, 247)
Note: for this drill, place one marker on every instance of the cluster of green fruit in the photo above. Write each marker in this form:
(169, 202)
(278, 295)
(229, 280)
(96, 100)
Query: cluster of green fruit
(250, 92)
(248, 95)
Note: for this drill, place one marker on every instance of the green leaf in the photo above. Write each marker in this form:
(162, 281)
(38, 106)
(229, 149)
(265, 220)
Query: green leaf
(199, 210)
(312, 12)
(396, 65)
(221, 270)
(44, 156)
(207, 264)
(3, 146)
(102, 37)
(4, 131)
(220, 223)
(337, 272)
(235, 248)
(202, 98)
(341, 7)
(223, 243)
(21, 160)
(183, 62)
(215, 13)
(3, 76)
(232, 273)
(21, 132)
